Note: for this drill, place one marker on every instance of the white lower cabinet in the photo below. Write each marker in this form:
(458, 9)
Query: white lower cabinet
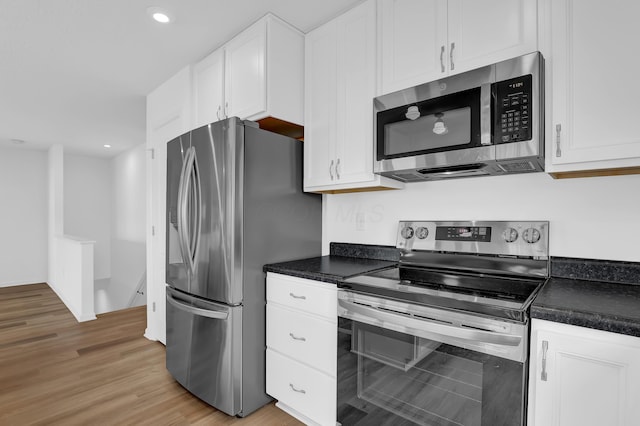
(583, 377)
(302, 347)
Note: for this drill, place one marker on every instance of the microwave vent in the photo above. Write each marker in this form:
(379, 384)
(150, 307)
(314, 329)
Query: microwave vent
(408, 177)
(518, 167)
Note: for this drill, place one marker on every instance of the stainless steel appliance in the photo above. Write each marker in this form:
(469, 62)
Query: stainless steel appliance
(442, 339)
(234, 203)
(488, 121)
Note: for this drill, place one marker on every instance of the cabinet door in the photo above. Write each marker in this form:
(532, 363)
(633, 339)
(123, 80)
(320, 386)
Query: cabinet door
(320, 110)
(356, 89)
(168, 116)
(489, 31)
(594, 81)
(208, 89)
(592, 377)
(245, 87)
(413, 42)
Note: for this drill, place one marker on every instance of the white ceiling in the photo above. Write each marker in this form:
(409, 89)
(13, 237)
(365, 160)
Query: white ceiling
(76, 72)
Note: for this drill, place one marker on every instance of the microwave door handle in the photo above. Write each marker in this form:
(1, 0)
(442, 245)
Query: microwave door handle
(423, 327)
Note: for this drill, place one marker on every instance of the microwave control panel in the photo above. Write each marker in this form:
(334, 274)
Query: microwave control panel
(512, 113)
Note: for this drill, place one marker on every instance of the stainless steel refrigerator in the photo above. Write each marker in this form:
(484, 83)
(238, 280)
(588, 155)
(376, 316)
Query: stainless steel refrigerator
(234, 203)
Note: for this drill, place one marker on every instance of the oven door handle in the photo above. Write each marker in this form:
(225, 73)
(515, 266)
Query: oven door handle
(422, 327)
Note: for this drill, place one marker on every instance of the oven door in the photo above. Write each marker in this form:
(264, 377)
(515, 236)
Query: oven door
(412, 365)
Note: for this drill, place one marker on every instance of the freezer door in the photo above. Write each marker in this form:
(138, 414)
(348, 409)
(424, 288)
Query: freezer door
(204, 231)
(204, 349)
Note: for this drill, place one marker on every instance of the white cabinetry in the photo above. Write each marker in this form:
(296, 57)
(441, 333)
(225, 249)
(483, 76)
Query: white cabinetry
(592, 86)
(582, 377)
(302, 347)
(424, 40)
(340, 71)
(208, 89)
(257, 75)
(168, 116)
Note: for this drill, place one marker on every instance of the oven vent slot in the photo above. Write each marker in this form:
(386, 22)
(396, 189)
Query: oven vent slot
(477, 328)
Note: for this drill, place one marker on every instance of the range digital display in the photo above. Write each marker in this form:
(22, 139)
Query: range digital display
(463, 233)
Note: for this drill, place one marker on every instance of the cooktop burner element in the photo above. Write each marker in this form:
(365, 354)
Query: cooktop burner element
(490, 268)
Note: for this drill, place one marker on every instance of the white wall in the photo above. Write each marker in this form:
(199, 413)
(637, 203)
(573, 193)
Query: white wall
(87, 206)
(128, 243)
(595, 218)
(23, 216)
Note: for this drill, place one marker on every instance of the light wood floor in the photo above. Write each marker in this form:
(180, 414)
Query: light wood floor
(56, 371)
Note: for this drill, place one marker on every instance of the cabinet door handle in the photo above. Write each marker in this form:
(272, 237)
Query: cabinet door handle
(295, 296)
(558, 148)
(302, 391)
(442, 58)
(331, 169)
(226, 109)
(218, 112)
(543, 373)
(453, 45)
(337, 170)
(294, 337)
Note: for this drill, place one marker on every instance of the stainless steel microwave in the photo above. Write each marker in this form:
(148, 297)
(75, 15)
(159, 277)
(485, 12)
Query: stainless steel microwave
(488, 121)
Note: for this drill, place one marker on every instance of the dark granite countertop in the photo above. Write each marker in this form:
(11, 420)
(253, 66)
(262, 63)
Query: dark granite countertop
(345, 260)
(329, 269)
(605, 303)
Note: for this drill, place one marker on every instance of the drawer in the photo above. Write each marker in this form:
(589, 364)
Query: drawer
(308, 339)
(307, 295)
(302, 388)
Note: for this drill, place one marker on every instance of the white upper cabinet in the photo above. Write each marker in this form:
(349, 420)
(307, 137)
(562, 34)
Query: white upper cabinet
(424, 40)
(413, 40)
(340, 70)
(246, 85)
(257, 75)
(582, 377)
(592, 85)
(208, 89)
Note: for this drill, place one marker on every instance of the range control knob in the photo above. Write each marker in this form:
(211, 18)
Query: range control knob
(407, 232)
(531, 235)
(510, 235)
(422, 232)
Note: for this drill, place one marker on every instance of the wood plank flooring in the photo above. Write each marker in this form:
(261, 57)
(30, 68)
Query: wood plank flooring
(56, 371)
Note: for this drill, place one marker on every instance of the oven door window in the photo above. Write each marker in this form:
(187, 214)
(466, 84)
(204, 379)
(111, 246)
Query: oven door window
(442, 124)
(391, 378)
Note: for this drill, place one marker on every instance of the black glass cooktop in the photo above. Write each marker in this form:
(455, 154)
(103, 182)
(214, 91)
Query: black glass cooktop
(501, 296)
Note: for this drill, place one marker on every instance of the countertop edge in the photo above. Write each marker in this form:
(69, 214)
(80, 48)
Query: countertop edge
(595, 321)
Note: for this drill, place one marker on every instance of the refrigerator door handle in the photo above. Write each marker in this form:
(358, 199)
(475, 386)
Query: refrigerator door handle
(197, 311)
(187, 227)
(182, 206)
(196, 217)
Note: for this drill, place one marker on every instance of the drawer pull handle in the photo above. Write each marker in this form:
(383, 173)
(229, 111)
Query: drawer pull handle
(294, 337)
(298, 297)
(545, 347)
(302, 391)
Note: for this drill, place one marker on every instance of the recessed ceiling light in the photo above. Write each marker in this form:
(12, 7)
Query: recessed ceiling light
(107, 146)
(160, 15)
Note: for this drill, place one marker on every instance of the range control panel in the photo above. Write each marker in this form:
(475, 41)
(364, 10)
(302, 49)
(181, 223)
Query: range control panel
(512, 110)
(509, 238)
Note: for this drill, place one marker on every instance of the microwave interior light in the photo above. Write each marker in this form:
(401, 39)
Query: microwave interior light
(412, 113)
(439, 128)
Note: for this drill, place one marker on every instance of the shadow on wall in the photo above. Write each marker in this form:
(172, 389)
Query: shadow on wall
(128, 272)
